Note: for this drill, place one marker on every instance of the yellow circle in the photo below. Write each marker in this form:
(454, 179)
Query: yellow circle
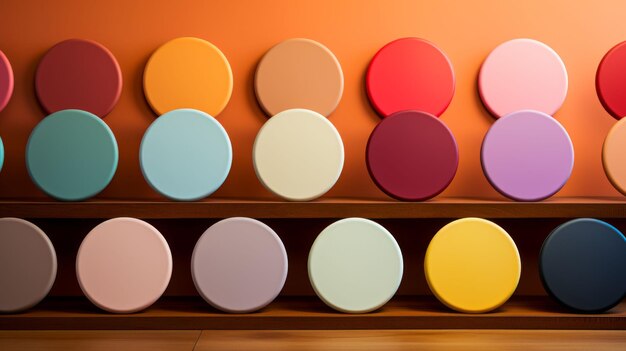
(188, 73)
(472, 265)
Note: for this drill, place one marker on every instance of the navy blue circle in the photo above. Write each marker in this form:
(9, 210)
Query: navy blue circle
(583, 265)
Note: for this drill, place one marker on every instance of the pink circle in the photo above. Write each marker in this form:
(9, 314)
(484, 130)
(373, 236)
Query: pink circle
(522, 74)
(124, 265)
(239, 265)
(6, 81)
(410, 74)
(527, 155)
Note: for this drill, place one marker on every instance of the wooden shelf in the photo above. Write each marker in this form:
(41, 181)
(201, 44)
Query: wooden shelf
(325, 208)
(310, 313)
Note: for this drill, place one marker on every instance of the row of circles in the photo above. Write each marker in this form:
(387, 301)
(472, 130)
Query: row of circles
(355, 265)
(411, 155)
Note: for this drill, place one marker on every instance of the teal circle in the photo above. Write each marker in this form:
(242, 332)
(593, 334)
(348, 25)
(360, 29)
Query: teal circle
(1, 154)
(71, 155)
(185, 155)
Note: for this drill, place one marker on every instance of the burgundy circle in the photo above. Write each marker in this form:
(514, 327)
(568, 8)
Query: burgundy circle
(412, 155)
(78, 74)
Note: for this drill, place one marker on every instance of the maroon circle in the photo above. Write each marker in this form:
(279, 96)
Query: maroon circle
(78, 74)
(412, 155)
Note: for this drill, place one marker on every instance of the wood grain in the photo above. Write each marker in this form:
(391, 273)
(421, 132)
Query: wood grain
(310, 313)
(324, 208)
(424, 340)
(258, 340)
(184, 340)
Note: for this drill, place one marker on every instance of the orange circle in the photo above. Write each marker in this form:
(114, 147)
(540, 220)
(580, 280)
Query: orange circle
(613, 155)
(188, 73)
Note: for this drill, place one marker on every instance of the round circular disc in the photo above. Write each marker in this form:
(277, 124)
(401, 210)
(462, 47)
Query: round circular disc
(527, 156)
(239, 265)
(610, 81)
(583, 265)
(522, 74)
(185, 155)
(1, 154)
(410, 74)
(298, 155)
(613, 155)
(412, 155)
(6, 81)
(355, 265)
(61, 142)
(29, 265)
(78, 74)
(123, 265)
(188, 73)
(472, 265)
(299, 73)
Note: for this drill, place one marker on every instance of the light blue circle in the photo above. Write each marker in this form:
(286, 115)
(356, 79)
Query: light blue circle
(185, 155)
(72, 155)
(1, 154)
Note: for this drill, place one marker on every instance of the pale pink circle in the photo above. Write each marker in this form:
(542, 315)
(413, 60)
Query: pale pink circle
(124, 265)
(522, 74)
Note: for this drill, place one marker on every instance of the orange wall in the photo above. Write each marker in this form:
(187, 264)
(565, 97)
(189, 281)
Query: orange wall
(580, 31)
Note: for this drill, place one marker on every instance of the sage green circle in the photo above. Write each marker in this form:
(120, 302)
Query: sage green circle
(72, 155)
(355, 265)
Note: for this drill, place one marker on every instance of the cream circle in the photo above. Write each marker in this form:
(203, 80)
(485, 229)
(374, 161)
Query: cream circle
(522, 74)
(298, 155)
(355, 265)
(123, 265)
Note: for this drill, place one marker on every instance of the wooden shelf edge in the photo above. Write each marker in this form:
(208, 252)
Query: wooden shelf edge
(310, 313)
(325, 208)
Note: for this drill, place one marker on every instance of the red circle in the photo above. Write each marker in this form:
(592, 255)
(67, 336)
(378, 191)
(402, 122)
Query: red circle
(412, 155)
(611, 81)
(410, 74)
(78, 74)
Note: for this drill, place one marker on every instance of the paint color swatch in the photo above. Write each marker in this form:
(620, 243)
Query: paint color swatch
(239, 265)
(583, 265)
(611, 81)
(472, 265)
(123, 265)
(6, 81)
(298, 155)
(78, 74)
(613, 156)
(188, 73)
(185, 155)
(1, 154)
(355, 265)
(410, 74)
(527, 155)
(28, 265)
(522, 74)
(71, 155)
(299, 73)
(412, 155)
